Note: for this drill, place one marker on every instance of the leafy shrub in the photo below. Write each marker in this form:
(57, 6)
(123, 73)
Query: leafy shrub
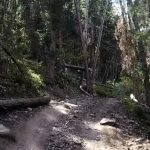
(30, 76)
(64, 80)
(103, 90)
(123, 88)
(134, 108)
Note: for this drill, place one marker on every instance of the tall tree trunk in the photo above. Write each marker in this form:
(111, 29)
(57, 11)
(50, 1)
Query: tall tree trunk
(142, 57)
(83, 36)
(123, 10)
(51, 60)
(90, 75)
(97, 52)
(145, 69)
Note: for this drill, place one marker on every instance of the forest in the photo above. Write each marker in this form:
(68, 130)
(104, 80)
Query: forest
(74, 74)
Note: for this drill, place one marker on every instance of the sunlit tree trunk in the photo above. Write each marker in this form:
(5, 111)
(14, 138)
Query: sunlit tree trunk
(90, 73)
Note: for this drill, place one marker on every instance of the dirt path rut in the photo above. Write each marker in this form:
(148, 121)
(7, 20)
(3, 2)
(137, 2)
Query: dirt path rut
(74, 125)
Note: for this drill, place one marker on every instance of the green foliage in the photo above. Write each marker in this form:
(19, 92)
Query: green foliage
(129, 104)
(120, 89)
(31, 77)
(102, 91)
(134, 108)
(123, 88)
(35, 79)
(65, 80)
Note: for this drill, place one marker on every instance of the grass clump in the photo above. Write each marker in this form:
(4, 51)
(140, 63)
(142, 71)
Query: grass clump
(103, 91)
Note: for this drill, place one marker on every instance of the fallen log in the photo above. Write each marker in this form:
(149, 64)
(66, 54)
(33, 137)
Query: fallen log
(23, 102)
(74, 67)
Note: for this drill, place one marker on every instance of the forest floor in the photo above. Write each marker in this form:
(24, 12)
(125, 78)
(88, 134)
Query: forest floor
(74, 124)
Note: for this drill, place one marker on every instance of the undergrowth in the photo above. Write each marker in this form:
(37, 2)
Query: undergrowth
(122, 91)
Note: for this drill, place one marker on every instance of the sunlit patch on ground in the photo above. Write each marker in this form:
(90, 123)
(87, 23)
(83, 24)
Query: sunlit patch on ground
(110, 136)
(87, 144)
(59, 107)
(75, 138)
(63, 107)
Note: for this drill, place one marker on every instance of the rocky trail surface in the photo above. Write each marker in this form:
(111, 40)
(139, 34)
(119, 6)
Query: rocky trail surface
(74, 124)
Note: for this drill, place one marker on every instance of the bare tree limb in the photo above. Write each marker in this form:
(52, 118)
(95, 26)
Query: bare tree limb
(23, 102)
(5, 49)
(97, 52)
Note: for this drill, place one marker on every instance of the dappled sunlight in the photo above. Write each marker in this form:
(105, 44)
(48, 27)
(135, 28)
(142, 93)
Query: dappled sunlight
(87, 144)
(33, 146)
(109, 136)
(60, 108)
(71, 105)
(94, 145)
(50, 117)
(74, 138)
(92, 125)
(63, 107)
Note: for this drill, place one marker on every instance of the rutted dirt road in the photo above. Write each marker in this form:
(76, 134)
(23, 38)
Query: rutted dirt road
(73, 124)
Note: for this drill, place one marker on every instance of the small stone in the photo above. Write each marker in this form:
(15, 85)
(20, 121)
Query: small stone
(29, 109)
(108, 121)
(67, 106)
(4, 129)
(139, 139)
(140, 146)
(92, 115)
(15, 116)
(98, 138)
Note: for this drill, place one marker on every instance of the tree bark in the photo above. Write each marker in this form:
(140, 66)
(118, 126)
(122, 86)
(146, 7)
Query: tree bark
(90, 76)
(97, 53)
(123, 10)
(74, 67)
(83, 36)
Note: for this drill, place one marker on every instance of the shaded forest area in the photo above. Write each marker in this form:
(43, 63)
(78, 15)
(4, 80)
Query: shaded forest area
(99, 48)
(41, 41)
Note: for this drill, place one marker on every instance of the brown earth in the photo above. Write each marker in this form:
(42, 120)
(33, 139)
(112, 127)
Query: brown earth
(74, 124)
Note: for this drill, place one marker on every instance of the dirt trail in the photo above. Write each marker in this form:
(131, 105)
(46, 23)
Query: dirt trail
(74, 125)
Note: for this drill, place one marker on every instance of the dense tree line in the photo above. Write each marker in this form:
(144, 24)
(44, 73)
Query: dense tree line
(37, 39)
